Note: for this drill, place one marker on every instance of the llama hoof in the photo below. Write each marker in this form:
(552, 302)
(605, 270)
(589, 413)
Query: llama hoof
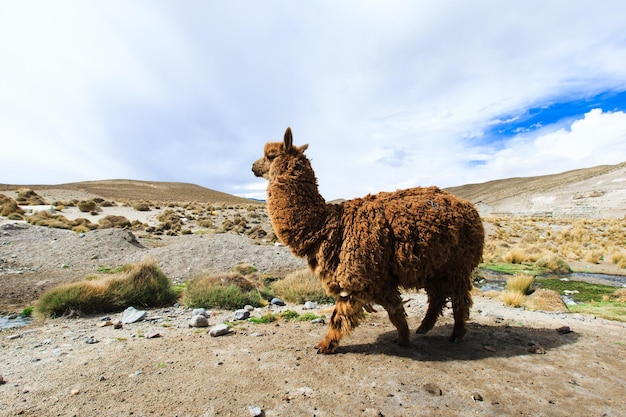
(326, 348)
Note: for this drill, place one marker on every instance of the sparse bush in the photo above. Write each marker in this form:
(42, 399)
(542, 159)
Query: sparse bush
(201, 294)
(513, 298)
(141, 206)
(26, 197)
(87, 206)
(144, 285)
(244, 268)
(514, 256)
(594, 256)
(554, 264)
(301, 286)
(520, 283)
(9, 207)
(111, 221)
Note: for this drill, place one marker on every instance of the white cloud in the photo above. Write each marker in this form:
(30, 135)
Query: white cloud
(388, 95)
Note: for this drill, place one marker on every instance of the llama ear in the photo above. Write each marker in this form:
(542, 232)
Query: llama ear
(303, 147)
(288, 139)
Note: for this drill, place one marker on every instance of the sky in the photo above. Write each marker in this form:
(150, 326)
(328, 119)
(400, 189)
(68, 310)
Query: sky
(388, 94)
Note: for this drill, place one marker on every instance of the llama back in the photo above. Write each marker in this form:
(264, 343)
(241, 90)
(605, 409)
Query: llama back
(430, 231)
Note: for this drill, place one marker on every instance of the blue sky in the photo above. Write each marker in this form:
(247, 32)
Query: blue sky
(388, 95)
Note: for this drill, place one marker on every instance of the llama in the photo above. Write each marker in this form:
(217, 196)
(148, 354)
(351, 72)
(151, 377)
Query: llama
(366, 249)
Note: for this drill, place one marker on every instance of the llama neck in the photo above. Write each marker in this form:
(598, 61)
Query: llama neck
(297, 210)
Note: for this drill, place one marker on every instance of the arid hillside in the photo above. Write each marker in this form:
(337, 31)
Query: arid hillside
(597, 192)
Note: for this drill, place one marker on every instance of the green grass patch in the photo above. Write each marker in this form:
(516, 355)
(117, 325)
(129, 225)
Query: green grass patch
(27, 312)
(606, 310)
(264, 319)
(586, 292)
(144, 285)
(228, 297)
(513, 269)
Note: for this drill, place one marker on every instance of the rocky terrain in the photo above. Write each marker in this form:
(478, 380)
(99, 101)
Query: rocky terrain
(512, 362)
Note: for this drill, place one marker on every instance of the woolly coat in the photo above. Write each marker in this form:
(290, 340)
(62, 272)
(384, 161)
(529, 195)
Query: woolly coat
(413, 238)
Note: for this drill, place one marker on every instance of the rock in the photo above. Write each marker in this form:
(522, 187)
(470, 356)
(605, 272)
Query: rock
(75, 391)
(199, 312)
(242, 314)
(318, 321)
(310, 305)
(14, 336)
(132, 315)
(249, 308)
(219, 330)
(105, 323)
(153, 334)
(256, 411)
(117, 325)
(198, 321)
(477, 397)
(92, 340)
(433, 389)
(101, 378)
(277, 302)
(564, 330)
(2, 380)
(535, 348)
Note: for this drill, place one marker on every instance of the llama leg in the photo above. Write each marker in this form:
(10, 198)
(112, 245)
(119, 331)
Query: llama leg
(346, 316)
(397, 316)
(435, 306)
(460, 307)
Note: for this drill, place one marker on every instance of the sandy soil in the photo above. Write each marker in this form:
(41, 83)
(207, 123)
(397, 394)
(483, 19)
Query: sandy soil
(513, 361)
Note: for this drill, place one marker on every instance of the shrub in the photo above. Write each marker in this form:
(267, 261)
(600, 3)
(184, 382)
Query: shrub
(8, 206)
(87, 206)
(244, 268)
(141, 206)
(228, 291)
(513, 298)
(114, 221)
(594, 256)
(554, 264)
(514, 256)
(520, 283)
(144, 285)
(26, 197)
(301, 286)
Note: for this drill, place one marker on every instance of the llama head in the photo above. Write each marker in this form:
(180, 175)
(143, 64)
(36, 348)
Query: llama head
(274, 151)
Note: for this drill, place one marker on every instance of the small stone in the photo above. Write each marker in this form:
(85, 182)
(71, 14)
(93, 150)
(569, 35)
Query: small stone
(198, 321)
(433, 389)
(117, 325)
(242, 314)
(256, 411)
(248, 307)
(92, 340)
(2, 380)
(199, 312)
(318, 321)
(277, 302)
(489, 348)
(477, 397)
(132, 315)
(564, 330)
(310, 305)
(101, 378)
(14, 336)
(135, 374)
(219, 330)
(75, 391)
(256, 334)
(153, 334)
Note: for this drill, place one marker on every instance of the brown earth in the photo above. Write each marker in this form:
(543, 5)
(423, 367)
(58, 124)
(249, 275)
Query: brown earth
(512, 362)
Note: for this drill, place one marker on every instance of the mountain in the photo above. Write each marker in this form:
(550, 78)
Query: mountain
(132, 190)
(597, 192)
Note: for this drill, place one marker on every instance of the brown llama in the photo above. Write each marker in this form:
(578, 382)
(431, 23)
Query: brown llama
(365, 249)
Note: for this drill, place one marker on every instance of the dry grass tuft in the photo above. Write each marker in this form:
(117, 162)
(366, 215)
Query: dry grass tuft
(301, 286)
(513, 298)
(144, 285)
(520, 283)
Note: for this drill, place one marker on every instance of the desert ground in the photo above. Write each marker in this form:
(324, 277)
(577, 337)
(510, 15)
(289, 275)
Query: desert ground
(512, 362)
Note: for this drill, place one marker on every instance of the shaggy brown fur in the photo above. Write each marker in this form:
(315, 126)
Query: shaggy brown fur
(365, 249)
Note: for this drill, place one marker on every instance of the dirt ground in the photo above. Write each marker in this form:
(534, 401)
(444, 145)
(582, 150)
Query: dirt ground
(512, 362)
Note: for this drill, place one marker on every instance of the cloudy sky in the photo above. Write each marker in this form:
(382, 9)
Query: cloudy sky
(388, 94)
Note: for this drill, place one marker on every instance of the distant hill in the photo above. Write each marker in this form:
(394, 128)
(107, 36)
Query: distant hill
(597, 192)
(132, 190)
